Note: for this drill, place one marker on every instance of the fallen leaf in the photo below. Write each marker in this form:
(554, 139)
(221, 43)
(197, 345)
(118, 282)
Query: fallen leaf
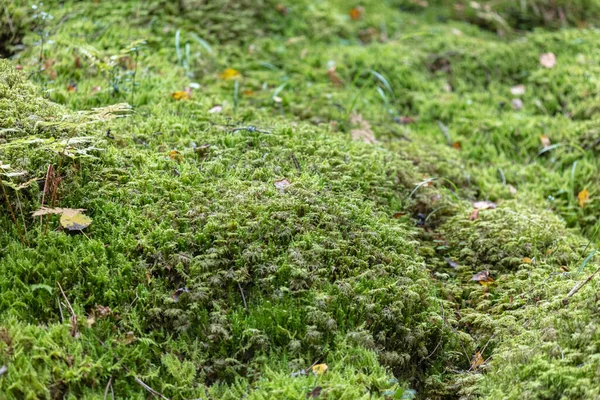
(404, 120)
(282, 184)
(281, 9)
(316, 392)
(517, 104)
(527, 260)
(215, 109)
(564, 268)
(484, 205)
(474, 215)
(230, 73)
(72, 87)
(47, 211)
(457, 145)
(334, 78)
(90, 320)
(248, 92)
(512, 189)
(477, 361)
(129, 338)
(548, 60)
(483, 277)
(398, 215)
(181, 95)
(363, 132)
(175, 155)
(518, 90)
(96, 89)
(356, 12)
(583, 197)
(75, 221)
(545, 141)
(319, 369)
(178, 293)
(103, 311)
(451, 263)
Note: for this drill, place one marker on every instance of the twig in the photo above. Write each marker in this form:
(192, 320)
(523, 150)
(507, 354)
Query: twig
(578, 287)
(12, 213)
(74, 332)
(243, 297)
(50, 169)
(148, 388)
(62, 317)
(107, 386)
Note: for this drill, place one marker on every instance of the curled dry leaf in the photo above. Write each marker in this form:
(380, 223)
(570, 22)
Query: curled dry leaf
(178, 294)
(517, 104)
(356, 12)
(548, 60)
(477, 360)
(483, 277)
(319, 369)
(181, 95)
(518, 90)
(363, 132)
(230, 73)
(545, 141)
(583, 197)
(484, 205)
(282, 184)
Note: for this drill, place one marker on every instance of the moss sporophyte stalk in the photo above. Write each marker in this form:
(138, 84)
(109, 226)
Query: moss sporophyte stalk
(271, 200)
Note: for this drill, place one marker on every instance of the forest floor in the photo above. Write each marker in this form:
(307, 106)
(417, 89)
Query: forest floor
(260, 200)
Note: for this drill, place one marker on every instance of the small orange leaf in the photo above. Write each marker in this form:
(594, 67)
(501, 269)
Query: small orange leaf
(483, 277)
(180, 95)
(477, 361)
(319, 369)
(457, 145)
(527, 260)
(72, 87)
(583, 197)
(356, 12)
(175, 155)
(545, 141)
(230, 73)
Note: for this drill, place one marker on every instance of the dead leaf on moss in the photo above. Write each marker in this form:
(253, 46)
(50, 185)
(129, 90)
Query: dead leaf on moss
(527, 260)
(75, 221)
(181, 95)
(356, 13)
(334, 78)
(512, 189)
(483, 277)
(72, 87)
(230, 73)
(548, 60)
(282, 184)
(477, 361)
(178, 294)
(484, 205)
(474, 215)
(175, 155)
(319, 369)
(545, 141)
(313, 394)
(363, 131)
(518, 90)
(457, 146)
(583, 197)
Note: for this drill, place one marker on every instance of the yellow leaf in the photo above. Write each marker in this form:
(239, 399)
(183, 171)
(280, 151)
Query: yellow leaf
(319, 369)
(545, 141)
(527, 260)
(180, 95)
(230, 73)
(356, 13)
(477, 361)
(75, 221)
(583, 197)
(175, 155)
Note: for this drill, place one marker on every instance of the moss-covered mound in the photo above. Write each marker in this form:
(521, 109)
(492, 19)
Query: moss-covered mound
(281, 203)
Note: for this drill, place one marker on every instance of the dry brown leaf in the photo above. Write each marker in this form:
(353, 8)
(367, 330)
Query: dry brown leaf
(175, 155)
(181, 95)
(457, 146)
(583, 197)
(356, 12)
(319, 369)
(484, 205)
(483, 277)
(545, 141)
(518, 90)
(334, 78)
(363, 132)
(477, 361)
(474, 215)
(548, 60)
(282, 184)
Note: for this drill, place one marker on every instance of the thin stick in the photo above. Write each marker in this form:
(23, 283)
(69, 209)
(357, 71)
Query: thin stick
(578, 287)
(73, 316)
(243, 297)
(107, 386)
(22, 215)
(62, 317)
(12, 213)
(148, 388)
(45, 190)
